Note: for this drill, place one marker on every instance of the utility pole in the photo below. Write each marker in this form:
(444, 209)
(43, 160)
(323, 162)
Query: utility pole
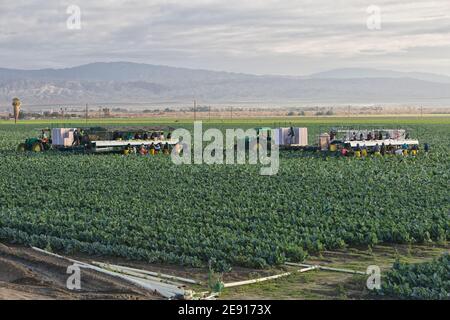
(195, 110)
(87, 113)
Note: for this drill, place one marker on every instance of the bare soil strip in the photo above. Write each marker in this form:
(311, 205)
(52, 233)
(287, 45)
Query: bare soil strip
(28, 274)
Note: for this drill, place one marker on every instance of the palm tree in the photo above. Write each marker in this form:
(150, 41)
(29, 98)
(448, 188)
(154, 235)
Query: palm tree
(16, 105)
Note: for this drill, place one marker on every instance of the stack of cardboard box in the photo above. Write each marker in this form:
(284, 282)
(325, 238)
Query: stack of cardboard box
(62, 136)
(285, 137)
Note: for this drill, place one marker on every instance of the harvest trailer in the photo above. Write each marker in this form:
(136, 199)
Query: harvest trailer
(97, 139)
(353, 139)
(296, 139)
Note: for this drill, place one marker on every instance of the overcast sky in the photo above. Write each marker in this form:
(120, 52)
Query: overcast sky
(292, 37)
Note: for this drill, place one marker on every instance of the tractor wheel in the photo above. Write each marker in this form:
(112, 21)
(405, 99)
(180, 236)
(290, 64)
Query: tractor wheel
(37, 147)
(22, 147)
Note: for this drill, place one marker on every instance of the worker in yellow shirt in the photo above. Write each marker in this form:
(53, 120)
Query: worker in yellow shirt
(152, 149)
(358, 151)
(364, 152)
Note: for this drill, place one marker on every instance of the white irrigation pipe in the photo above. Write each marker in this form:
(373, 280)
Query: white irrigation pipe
(150, 273)
(241, 283)
(58, 256)
(137, 274)
(166, 290)
(324, 268)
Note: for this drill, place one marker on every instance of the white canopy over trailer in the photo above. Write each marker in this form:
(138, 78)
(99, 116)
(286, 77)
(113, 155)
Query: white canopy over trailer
(365, 138)
(133, 143)
(387, 142)
(372, 134)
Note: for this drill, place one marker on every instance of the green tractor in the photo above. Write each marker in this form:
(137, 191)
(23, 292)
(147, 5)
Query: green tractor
(40, 144)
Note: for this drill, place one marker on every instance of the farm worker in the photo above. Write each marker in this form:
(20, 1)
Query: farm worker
(405, 149)
(145, 137)
(388, 136)
(332, 133)
(364, 151)
(398, 152)
(152, 149)
(142, 150)
(178, 148)
(83, 137)
(361, 137)
(127, 150)
(380, 136)
(169, 135)
(414, 150)
(166, 149)
(426, 147)
(76, 138)
(376, 150)
(354, 136)
(162, 136)
(44, 136)
(358, 151)
(383, 149)
(369, 136)
(157, 148)
(391, 148)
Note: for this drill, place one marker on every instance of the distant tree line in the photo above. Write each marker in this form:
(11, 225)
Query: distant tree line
(42, 115)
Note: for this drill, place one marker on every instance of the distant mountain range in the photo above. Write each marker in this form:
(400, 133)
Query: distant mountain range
(125, 82)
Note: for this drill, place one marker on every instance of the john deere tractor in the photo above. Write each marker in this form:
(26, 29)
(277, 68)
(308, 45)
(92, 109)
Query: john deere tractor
(40, 144)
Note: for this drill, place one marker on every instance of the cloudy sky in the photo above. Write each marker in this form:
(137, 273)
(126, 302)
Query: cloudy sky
(292, 37)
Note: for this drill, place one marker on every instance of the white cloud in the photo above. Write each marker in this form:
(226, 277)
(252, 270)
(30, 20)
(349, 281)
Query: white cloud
(258, 36)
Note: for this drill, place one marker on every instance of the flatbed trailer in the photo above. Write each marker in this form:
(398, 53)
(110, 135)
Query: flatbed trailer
(298, 147)
(118, 145)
